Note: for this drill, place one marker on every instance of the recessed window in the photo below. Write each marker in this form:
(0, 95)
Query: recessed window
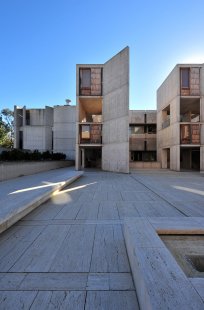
(85, 132)
(136, 130)
(185, 80)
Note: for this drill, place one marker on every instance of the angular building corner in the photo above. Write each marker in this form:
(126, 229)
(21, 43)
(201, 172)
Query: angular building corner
(102, 139)
(180, 119)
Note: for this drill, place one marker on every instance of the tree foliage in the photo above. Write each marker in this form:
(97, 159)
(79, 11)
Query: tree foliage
(6, 128)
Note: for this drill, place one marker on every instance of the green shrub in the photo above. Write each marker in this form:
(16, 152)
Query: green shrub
(18, 155)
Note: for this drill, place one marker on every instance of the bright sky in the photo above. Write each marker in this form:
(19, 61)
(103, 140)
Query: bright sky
(41, 41)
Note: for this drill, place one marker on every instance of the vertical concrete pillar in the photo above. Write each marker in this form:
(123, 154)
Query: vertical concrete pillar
(78, 158)
(175, 157)
(202, 158)
(24, 116)
(83, 158)
(164, 159)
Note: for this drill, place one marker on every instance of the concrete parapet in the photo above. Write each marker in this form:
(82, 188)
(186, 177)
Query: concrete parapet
(144, 165)
(11, 170)
(160, 283)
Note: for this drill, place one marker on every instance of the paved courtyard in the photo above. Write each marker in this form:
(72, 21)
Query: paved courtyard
(70, 252)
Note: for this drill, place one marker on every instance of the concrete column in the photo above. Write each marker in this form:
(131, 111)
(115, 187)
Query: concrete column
(175, 158)
(83, 158)
(77, 158)
(164, 159)
(24, 116)
(202, 158)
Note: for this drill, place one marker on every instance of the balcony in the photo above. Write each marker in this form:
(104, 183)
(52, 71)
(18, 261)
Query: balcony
(190, 118)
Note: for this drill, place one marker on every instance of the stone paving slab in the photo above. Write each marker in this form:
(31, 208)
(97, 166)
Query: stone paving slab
(20, 196)
(70, 252)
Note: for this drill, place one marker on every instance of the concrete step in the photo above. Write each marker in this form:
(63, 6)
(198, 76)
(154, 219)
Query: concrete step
(20, 196)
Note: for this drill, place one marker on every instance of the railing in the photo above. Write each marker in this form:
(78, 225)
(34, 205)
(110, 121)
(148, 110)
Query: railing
(190, 118)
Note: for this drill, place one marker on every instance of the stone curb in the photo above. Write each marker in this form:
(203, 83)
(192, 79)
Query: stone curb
(19, 213)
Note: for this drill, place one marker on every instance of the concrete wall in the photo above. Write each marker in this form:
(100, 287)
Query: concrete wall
(138, 116)
(169, 89)
(41, 117)
(115, 151)
(144, 165)
(64, 130)
(16, 169)
(37, 138)
(169, 95)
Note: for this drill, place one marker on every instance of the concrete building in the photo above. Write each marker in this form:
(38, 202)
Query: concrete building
(33, 128)
(102, 93)
(49, 129)
(64, 130)
(95, 131)
(180, 119)
(142, 139)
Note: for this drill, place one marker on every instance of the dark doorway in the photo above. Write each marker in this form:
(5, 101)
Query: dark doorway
(190, 158)
(168, 158)
(195, 159)
(93, 158)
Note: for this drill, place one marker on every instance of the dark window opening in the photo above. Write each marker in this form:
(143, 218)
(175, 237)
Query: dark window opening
(185, 78)
(20, 140)
(90, 81)
(151, 129)
(143, 156)
(27, 117)
(136, 130)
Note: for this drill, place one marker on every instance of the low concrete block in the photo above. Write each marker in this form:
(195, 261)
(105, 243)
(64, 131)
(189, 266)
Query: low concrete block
(160, 283)
(25, 202)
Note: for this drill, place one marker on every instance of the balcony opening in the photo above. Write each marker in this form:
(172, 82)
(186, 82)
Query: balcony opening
(190, 158)
(91, 157)
(190, 110)
(90, 110)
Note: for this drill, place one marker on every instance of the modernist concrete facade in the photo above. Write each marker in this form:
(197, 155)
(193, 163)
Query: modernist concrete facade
(180, 119)
(102, 95)
(95, 131)
(49, 129)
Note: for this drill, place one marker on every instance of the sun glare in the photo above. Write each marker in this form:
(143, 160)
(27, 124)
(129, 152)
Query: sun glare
(194, 59)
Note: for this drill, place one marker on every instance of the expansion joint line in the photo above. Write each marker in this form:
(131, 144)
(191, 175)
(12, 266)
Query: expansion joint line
(149, 188)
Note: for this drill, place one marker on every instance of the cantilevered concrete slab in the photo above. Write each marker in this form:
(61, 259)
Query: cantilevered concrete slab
(22, 195)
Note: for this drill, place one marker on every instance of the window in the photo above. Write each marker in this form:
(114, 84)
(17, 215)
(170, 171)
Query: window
(27, 117)
(85, 132)
(85, 82)
(86, 78)
(143, 156)
(136, 130)
(151, 129)
(185, 81)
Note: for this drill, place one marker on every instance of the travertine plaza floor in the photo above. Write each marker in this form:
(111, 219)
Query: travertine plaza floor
(70, 252)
